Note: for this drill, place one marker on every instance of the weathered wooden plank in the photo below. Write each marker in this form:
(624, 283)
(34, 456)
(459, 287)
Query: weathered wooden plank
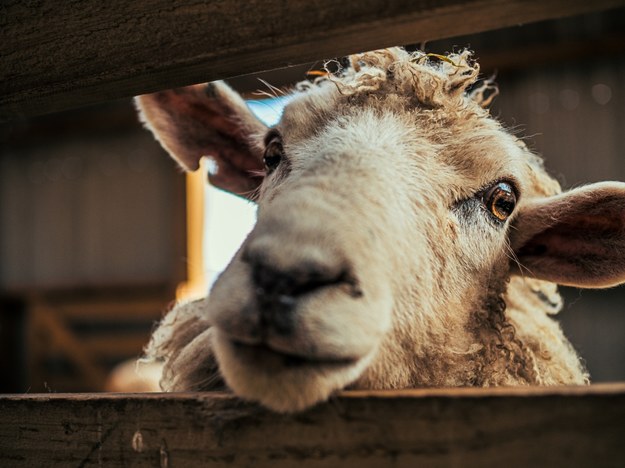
(512, 427)
(59, 55)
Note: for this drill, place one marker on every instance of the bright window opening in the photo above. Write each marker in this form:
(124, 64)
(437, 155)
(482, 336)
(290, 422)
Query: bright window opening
(228, 219)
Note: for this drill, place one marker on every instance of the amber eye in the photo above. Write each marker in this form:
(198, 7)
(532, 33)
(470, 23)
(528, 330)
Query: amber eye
(273, 154)
(500, 200)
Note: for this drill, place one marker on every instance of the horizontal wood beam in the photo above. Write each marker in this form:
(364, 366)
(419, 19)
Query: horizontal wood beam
(511, 427)
(60, 55)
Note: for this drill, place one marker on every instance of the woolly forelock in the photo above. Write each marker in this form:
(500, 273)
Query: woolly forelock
(433, 80)
(450, 82)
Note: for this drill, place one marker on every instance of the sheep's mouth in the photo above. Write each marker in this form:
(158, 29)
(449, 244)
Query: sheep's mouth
(262, 354)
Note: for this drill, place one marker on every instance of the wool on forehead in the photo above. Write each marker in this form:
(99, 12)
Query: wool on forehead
(433, 80)
(445, 91)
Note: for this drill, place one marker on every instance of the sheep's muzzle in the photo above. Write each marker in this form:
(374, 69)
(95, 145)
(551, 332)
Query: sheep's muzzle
(292, 308)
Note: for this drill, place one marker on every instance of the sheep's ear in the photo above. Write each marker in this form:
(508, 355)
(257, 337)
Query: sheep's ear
(208, 120)
(576, 238)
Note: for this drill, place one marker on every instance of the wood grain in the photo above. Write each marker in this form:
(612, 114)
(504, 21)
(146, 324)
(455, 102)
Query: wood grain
(60, 55)
(511, 427)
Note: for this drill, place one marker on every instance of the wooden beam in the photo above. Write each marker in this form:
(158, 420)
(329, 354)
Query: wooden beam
(147, 309)
(125, 346)
(511, 427)
(517, 57)
(60, 55)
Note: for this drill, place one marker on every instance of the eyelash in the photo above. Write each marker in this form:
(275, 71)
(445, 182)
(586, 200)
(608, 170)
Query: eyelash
(274, 151)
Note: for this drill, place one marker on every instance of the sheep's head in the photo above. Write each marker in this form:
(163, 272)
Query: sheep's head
(392, 211)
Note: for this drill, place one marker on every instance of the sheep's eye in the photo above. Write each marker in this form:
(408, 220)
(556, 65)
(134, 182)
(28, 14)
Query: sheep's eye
(274, 153)
(500, 200)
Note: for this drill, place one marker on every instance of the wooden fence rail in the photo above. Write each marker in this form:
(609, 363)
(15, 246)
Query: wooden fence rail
(58, 55)
(509, 427)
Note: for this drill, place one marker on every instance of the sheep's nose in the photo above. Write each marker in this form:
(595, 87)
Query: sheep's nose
(283, 286)
(287, 262)
(277, 292)
(290, 262)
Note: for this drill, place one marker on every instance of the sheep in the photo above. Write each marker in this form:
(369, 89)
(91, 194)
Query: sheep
(404, 239)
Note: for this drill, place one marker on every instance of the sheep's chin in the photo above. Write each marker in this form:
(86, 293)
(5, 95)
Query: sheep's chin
(262, 376)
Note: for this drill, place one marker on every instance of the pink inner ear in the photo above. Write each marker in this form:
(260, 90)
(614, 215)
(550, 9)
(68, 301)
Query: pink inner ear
(208, 120)
(583, 235)
(583, 249)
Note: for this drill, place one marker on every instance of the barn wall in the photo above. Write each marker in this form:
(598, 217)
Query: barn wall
(92, 245)
(90, 208)
(573, 114)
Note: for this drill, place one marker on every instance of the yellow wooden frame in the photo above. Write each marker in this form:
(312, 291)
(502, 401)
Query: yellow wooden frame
(196, 284)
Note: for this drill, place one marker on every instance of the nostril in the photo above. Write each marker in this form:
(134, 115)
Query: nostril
(284, 286)
(277, 291)
(271, 281)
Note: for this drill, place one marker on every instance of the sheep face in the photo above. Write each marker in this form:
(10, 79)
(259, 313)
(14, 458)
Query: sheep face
(388, 226)
(357, 218)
